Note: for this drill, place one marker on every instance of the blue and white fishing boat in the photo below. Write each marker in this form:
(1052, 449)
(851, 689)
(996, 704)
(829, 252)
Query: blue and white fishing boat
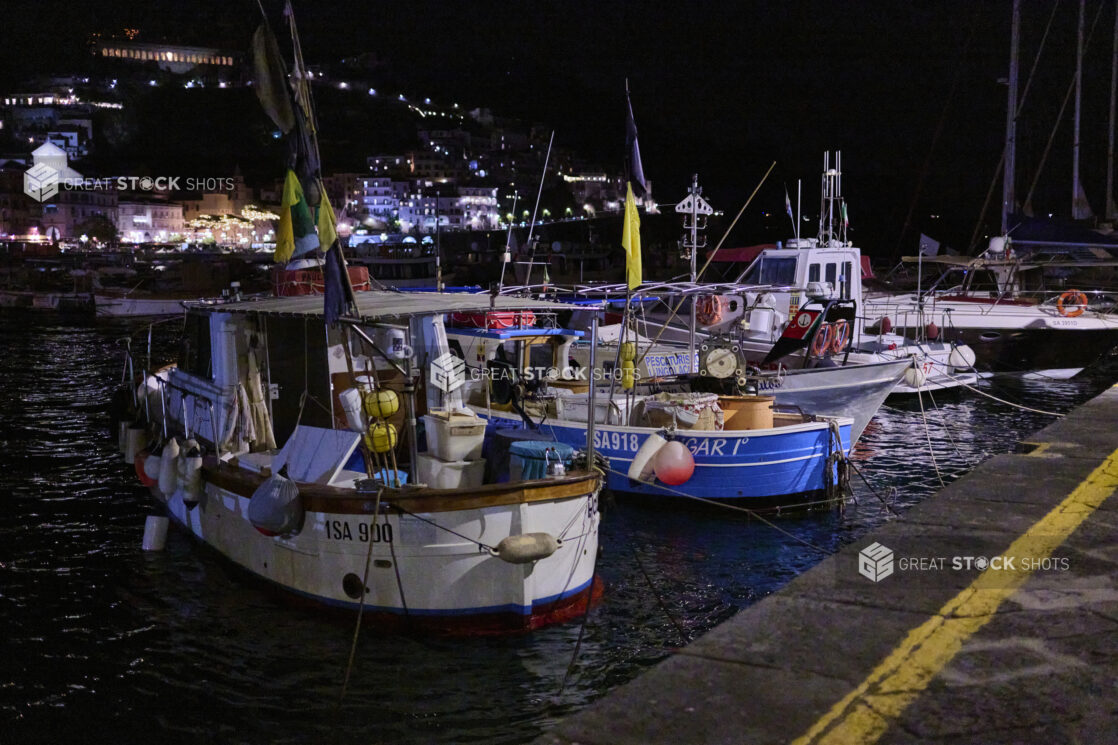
(744, 451)
(794, 462)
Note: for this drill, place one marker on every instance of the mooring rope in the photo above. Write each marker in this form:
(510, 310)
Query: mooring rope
(1000, 400)
(361, 603)
(928, 435)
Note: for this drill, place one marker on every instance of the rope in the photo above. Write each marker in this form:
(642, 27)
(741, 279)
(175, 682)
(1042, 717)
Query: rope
(477, 543)
(928, 435)
(1002, 400)
(361, 604)
(872, 490)
(943, 423)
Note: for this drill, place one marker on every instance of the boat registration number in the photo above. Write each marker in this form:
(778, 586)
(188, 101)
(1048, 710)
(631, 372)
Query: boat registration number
(363, 532)
(616, 440)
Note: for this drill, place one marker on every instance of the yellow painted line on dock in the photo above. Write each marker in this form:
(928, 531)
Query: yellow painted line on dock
(1038, 450)
(864, 715)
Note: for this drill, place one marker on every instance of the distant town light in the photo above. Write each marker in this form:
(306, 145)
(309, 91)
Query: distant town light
(343, 85)
(372, 91)
(151, 82)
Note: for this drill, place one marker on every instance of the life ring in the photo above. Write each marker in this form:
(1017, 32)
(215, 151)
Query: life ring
(1074, 308)
(841, 330)
(822, 340)
(709, 309)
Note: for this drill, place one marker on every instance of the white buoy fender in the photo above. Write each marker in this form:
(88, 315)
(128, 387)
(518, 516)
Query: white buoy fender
(641, 467)
(275, 507)
(915, 376)
(526, 548)
(961, 358)
(168, 478)
(190, 473)
(155, 533)
(134, 441)
(152, 466)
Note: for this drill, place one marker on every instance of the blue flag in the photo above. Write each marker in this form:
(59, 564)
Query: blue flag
(636, 170)
(336, 291)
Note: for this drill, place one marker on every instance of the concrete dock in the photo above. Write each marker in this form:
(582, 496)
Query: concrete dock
(986, 614)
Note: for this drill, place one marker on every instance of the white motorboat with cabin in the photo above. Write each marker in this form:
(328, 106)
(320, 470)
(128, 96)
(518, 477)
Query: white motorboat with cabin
(746, 318)
(997, 304)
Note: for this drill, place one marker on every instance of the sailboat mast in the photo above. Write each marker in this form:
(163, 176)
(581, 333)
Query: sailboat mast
(1008, 195)
(1076, 199)
(1110, 143)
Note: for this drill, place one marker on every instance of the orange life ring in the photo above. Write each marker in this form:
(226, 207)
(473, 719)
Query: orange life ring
(822, 340)
(708, 309)
(1077, 305)
(841, 330)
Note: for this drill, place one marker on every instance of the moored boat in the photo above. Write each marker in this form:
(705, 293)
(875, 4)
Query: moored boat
(360, 528)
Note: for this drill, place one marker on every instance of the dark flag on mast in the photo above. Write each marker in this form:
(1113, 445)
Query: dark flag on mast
(633, 151)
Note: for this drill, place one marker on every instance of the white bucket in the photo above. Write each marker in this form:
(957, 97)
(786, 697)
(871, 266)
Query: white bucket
(352, 404)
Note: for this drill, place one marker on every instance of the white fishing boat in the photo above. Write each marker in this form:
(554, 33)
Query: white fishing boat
(305, 487)
(853, 390)
(747, 317)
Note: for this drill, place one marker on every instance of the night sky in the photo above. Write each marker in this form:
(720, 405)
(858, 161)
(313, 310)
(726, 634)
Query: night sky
(719, 89)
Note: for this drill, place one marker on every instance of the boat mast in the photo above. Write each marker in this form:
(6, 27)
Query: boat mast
(1110, 209)
(693, 208)
(1008, 195)
(1078, 207)
(830, 194)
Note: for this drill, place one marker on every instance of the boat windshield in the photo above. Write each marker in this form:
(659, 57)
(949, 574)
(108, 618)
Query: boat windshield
(770, 271)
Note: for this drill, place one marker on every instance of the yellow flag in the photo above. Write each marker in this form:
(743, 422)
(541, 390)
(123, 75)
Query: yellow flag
(327, 223)
(631, 239)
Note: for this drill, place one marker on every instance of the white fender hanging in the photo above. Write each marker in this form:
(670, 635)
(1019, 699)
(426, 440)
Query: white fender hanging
(168, 477)
(526, 548)
(915, 376)
(961, 357)
(641, 468)
(190, 473)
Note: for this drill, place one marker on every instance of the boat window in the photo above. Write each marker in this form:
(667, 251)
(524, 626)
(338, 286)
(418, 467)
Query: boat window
(195, 355)
(847, 273)
(832, 275)
(770, 271)
(813, 273)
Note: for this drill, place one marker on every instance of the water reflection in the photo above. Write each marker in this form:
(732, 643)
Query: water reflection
(102, 638)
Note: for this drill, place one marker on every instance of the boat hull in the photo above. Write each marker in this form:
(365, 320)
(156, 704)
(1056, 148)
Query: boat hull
(1059, 353)
(426, 567)
(758, 469)
(112, 306)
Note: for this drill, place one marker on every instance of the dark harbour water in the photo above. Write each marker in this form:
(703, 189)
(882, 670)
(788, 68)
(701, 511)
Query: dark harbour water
(104, 643)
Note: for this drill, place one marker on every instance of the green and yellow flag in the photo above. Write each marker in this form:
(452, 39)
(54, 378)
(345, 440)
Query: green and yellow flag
(295, 235)
(631, 239)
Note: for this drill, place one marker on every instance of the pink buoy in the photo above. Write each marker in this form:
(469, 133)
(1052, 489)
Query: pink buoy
(932, 330)
(674, 463)
(886, 325)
